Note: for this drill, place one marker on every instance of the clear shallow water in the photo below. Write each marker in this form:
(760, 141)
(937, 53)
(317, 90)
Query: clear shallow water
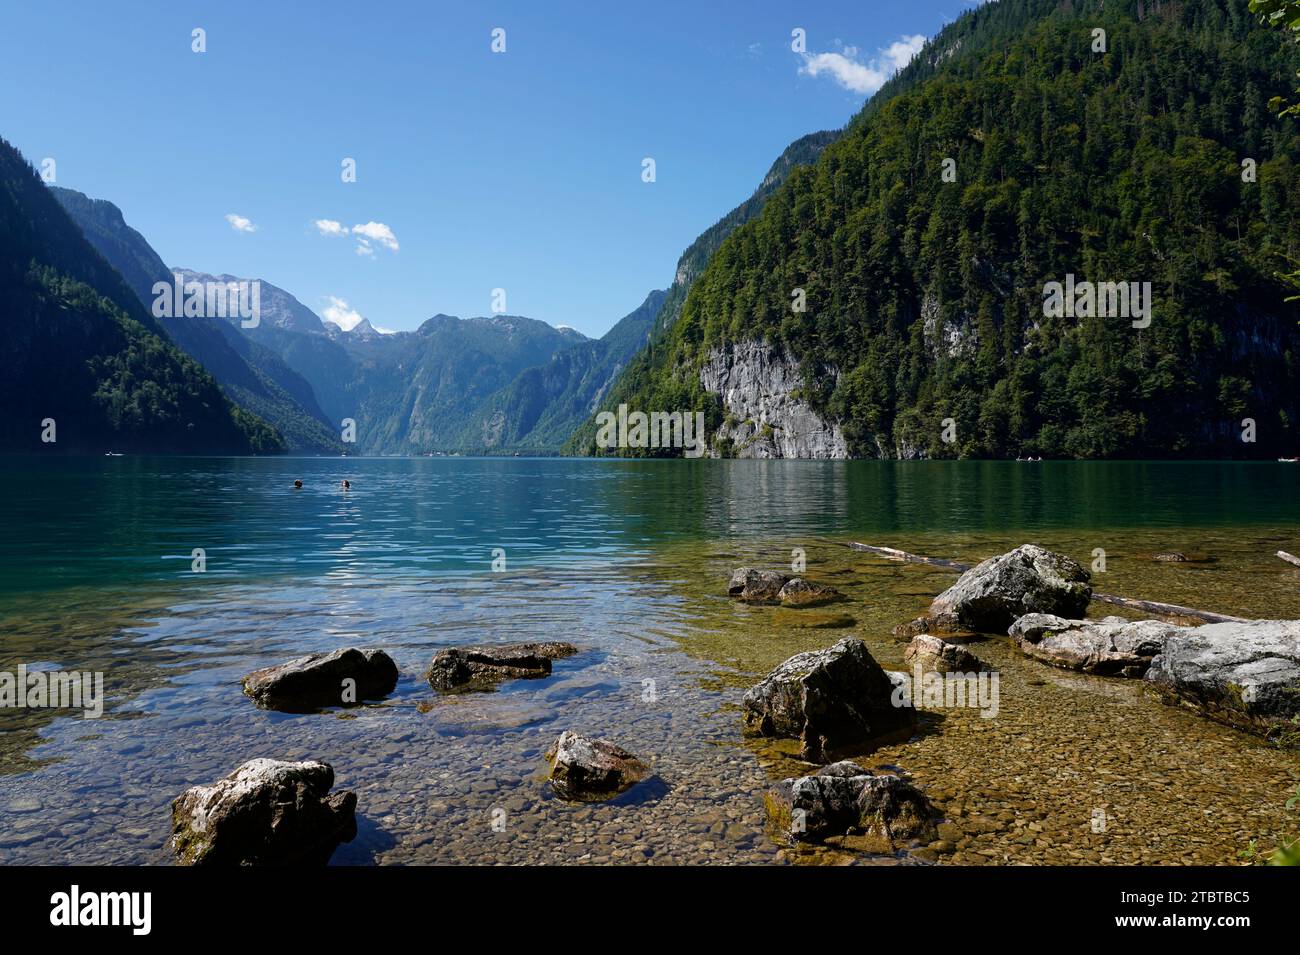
(629, 560)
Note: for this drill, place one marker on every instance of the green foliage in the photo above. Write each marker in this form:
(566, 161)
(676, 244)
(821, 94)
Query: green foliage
(925, 297)
(1285, 15)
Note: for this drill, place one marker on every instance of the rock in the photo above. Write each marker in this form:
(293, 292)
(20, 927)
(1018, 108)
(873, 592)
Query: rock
(1245, 674)
(756, 586)
(318, 680)
(1112, 646)
(944, 624)
(267, 812)
(483, 667)
(827, 699)
(995, 593)
(802, 593)
(935, 654)
(844, 799)
(1172, 557)
(760, 387)
(590, 770)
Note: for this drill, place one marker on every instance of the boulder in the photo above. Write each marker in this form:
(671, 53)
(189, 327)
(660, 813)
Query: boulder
(798, 592)
(993, 594)
(320, 680)
(1245, 674)
(756, 586)
(267, 812)
(827, 699)
(478, 668)
(845, 799)
(1112, 646)
(589, 770)
(935, 654)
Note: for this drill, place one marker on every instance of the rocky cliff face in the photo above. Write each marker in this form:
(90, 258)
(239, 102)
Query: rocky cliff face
(765, 419)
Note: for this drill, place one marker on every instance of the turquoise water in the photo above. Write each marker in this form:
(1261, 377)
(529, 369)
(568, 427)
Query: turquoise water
(101, 521)
(627, 559)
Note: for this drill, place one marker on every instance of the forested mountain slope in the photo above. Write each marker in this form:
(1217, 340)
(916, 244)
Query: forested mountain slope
(82, 351)
(252, 376)
(925, 333)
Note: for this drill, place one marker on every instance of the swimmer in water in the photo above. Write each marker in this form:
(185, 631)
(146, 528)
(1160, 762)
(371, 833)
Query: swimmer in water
(297, 485)
(347, 485)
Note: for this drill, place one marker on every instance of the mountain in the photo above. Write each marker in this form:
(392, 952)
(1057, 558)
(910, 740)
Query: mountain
(648, 354)
(934, 324)
(252, 376)
(407, 392)
(81, 349)
(543, 405)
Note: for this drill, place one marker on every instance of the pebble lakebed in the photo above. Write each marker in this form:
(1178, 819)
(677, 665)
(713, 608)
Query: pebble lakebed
(461, 779)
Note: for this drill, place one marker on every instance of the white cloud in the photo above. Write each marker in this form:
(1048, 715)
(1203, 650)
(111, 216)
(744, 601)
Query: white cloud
(240, 224)
(330, 227)
(859, 77)
(365, 234)
(341, 313)
(378, 232)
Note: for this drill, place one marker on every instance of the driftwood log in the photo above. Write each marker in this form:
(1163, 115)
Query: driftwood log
(1147, 606)
(1289, 558)
(890, 553)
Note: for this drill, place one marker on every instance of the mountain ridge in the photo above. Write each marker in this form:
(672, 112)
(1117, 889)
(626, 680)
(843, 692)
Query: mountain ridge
(84, 353)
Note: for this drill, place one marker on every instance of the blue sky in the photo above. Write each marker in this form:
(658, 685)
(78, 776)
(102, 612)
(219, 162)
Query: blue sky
(475, 170)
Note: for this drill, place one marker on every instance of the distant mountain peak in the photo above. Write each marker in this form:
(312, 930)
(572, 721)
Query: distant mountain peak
(279, 308)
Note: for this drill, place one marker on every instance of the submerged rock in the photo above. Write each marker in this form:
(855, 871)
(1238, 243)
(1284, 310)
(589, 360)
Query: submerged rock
(1170, 557)
(483, 667)
(933, 653)
(589, 770)
(995, 593)
(1245, 674)
(947, 625)
(827, 699)
(340, 678)
(802, 593)
(769, 586)
(1112, 646)
(845, 799)
(267, 812)
(756, 586)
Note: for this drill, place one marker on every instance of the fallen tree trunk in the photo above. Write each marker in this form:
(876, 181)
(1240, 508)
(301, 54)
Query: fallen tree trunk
(1289, 558)
(1147, 606)
(1167, 610)
(890, 553)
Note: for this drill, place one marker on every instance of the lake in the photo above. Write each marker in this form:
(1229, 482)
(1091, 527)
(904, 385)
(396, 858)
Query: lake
(629, 560)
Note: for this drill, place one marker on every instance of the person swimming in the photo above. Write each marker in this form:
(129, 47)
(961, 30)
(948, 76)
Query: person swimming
(297, 485)
(347, 485)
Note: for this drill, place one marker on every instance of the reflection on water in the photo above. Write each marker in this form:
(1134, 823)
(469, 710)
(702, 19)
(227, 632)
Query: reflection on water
(629, 560)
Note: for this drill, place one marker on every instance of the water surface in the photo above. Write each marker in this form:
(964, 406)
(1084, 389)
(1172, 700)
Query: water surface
(628, 560)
